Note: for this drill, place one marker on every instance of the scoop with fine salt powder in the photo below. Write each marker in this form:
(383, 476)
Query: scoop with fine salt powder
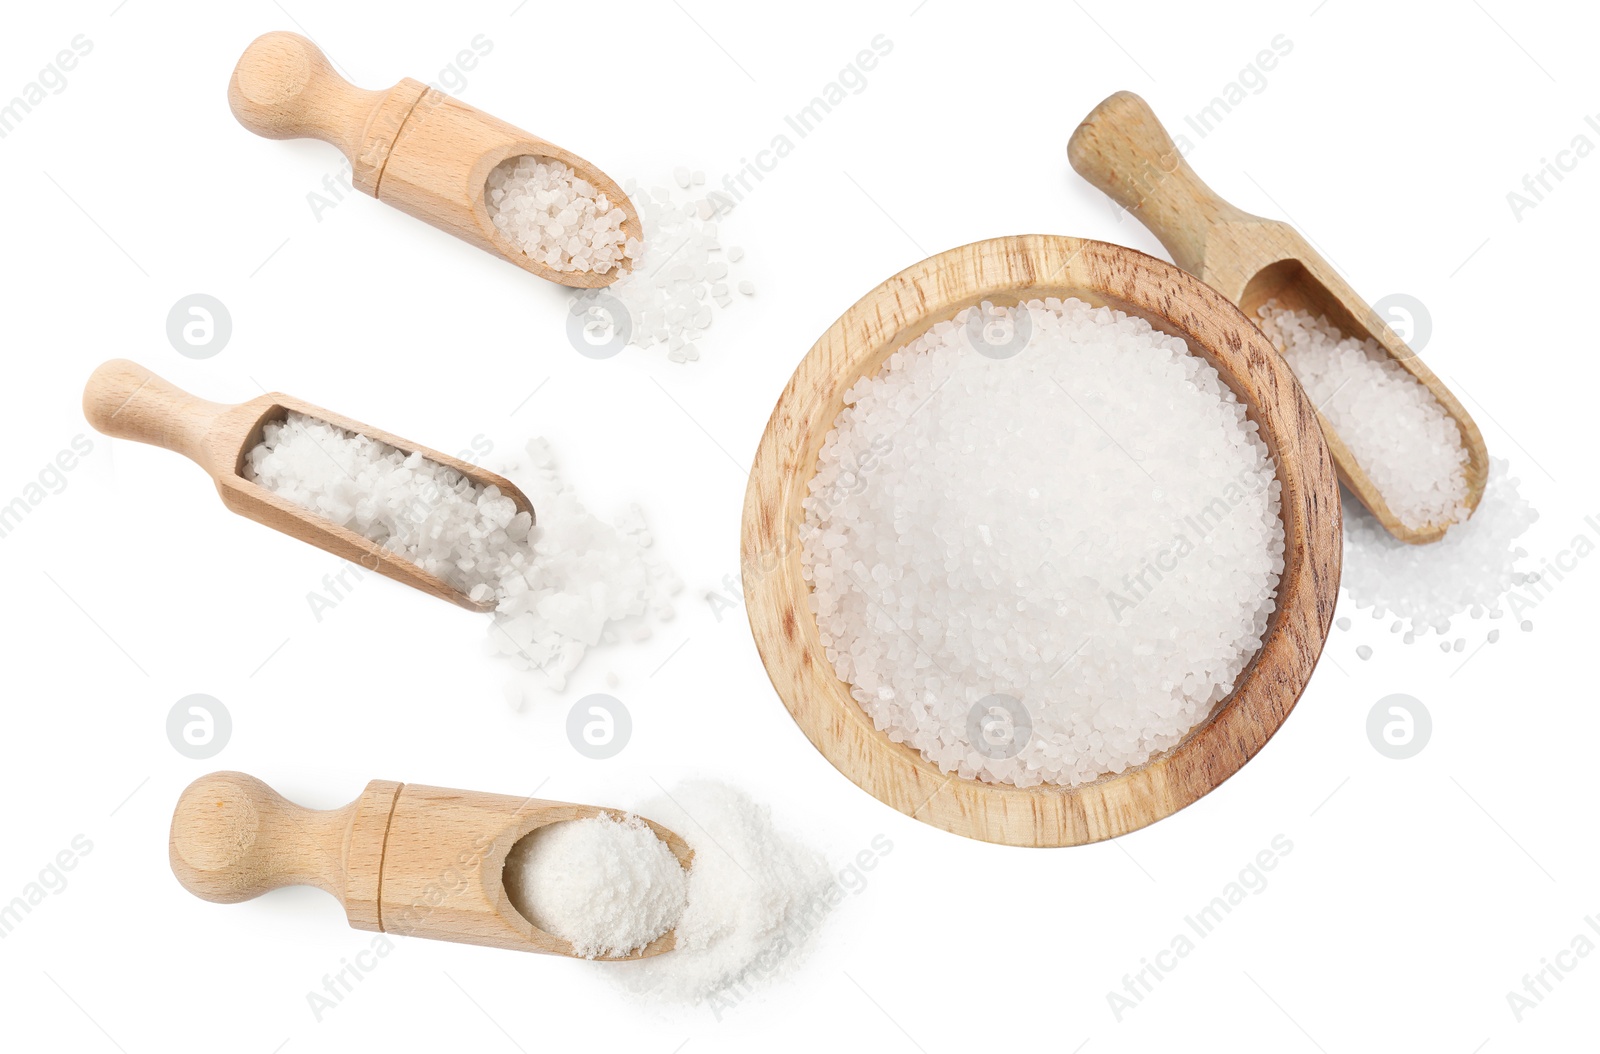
(607, 884)
(743, 915)
(423, 861)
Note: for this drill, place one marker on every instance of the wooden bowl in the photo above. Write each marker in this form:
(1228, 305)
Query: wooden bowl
(1008, 271)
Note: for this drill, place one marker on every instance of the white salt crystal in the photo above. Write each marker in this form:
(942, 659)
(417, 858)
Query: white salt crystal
(673, 272)
(1342, 623)
(608, 885)
(1425, 586)
(585, 582)
(747, 288)
(1396, 430)
(1527, 626)
(682, 176)
(1148, 459)
(418, 509)
(1364, 652)
(560, 220)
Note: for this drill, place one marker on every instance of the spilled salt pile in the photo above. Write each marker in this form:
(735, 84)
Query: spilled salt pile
(586, 583)
(608, 885)
(556, 217)
(469, 535)
(669, 293)
(1046, 561)
(1472, 571)
(1395, 429)
(756, 898)
(560, 587)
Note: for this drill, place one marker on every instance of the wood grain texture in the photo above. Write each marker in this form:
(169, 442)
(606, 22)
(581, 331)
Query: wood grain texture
(1007, 271)
(415, 147)
(402, 858)
(1122, 148)
(126, 401)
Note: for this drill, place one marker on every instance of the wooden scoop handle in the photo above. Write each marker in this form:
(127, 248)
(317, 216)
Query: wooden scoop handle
(284, 87)
(234, 838)
(126, 401)
(1123, 149)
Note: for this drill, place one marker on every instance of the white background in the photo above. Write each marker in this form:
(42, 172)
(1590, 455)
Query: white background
(1417, 893)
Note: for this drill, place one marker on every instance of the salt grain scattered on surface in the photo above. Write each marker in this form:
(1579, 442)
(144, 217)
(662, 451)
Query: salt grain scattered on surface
(560, 587)
(1470, 571)
(676, 285)
(586, 583)
(756, 899)
(558, 218)
(982, 527)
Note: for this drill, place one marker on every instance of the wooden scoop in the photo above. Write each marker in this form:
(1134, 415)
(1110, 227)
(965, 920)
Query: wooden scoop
(402, 858)
(126, 401)
(413, 146)
(1122, 148)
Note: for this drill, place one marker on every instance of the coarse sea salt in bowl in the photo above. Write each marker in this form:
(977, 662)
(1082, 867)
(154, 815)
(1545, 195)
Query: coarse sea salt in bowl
(895, 753)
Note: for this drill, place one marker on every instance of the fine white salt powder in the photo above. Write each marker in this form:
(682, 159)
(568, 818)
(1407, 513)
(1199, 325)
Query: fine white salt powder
(670, 292)
(756, 898)
(1472, 571)
(1395, 429)
(1046, 561)
(560, 219)
(606, 884)
(469, 535)
(585, 583)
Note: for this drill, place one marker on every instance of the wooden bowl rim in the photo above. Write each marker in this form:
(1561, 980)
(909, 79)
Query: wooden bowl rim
(1006, 270)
